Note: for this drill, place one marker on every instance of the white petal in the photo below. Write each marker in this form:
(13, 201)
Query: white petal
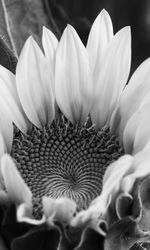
(116, 171)
(9, 97)
(72, 75)
(50, 43)
(17, 190)
(98, 208)
(4, 198)
(134, 93)
(100, 35)
(3, 148)
(62, 208)
(140, 168)
(112, 77)
(24, 214)
(34, 84)
(142, 135)
(6, 128)
(90, 218)
(137, 130)
(142, 161)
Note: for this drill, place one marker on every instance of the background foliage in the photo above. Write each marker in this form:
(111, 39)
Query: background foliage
(19, 19)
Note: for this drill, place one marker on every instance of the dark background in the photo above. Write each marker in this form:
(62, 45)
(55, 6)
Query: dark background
(19, 19)
(81, 14)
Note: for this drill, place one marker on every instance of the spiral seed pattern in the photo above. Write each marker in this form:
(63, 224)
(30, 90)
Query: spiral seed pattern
(65, 160)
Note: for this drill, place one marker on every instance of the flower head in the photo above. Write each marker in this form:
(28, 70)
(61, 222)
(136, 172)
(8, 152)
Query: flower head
(75, 140)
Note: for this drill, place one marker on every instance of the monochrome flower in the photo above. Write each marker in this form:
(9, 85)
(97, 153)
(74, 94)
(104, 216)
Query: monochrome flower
(75, 141)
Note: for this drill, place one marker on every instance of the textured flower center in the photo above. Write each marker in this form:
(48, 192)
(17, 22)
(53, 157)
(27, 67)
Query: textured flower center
(65, 160)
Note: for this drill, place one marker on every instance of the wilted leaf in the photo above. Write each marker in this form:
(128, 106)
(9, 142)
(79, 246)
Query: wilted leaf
(26, 18)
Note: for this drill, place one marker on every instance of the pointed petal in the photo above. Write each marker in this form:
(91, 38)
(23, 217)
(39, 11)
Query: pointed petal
(72, 75)
(15, 185)
(50, 43)
(24, 214)
(34, 84)
(6, 129)
(100, 35)
(112, 77)
(9, 98)
(62, 209)
(134, 93)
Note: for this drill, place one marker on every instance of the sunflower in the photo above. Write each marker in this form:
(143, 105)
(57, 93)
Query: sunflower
(75, 148)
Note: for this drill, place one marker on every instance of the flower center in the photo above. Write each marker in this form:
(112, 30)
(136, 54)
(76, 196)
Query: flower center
(65, 160)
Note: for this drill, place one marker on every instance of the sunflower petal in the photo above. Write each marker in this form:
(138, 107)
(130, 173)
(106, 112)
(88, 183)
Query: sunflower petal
(34, 84)
(141, 136)
(137, 129)
(6, 129)
(134, 93)
(9, 98)
(112, 77)
(139, 169)
(117, 171)
(62, 209)
(15, 186)
(24, 214)
(72, 75)
(100, 35)
(50, 43)
(123, 204)
(94, 216)
(3, 148)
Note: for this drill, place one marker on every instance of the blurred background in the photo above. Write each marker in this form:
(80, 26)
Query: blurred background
(19, 19)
